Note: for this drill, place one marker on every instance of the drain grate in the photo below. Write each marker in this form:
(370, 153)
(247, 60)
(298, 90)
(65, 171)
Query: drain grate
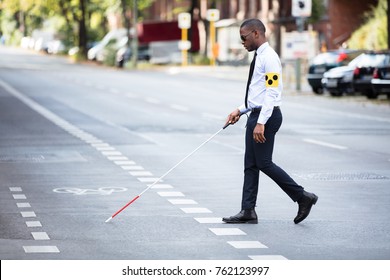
(343, 176)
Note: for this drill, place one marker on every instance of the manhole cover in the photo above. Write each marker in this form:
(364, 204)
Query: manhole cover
(343, 176)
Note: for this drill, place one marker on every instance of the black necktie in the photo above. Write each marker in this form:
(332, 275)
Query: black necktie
(251, 69)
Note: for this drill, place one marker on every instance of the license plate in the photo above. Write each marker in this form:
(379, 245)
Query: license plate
(331, 83)
(319, 70)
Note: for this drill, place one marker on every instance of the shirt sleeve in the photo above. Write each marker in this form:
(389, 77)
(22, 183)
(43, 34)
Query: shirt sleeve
(272, 69)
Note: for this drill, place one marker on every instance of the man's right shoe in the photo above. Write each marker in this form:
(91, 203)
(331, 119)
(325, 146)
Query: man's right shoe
(248, 216)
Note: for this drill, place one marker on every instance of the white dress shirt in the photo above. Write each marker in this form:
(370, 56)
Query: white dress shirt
(265, 89)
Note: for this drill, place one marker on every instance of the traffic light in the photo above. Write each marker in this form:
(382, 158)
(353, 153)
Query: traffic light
(301, 8)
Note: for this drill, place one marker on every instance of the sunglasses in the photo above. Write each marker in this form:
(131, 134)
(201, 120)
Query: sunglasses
(243, 37)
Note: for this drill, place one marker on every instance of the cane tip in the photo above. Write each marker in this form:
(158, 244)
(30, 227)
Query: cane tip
(109, 219)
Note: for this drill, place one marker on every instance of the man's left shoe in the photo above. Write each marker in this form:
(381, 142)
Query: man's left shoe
(305, 203)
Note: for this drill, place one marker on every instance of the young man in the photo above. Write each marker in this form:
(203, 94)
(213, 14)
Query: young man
(262, 100)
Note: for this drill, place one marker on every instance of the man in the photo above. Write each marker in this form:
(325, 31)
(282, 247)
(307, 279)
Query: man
(263, 98)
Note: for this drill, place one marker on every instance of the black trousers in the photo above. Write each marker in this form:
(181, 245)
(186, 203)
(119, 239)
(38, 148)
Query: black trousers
(258, 157)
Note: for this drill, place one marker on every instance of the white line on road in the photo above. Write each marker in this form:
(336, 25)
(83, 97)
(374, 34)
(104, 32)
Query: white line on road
(325, 144)
(41, 249)
(179, 108)
(40, 235)
(168, 194)
(33, 224)
(247, 244)
(227, 231)
(267, 257)
(28, 214)
(152, 100)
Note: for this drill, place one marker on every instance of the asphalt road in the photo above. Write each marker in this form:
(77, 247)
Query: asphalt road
(78, 142)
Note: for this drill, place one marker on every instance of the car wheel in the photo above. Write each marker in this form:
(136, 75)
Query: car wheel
(371, 94)
(318, 90)
(336, 93)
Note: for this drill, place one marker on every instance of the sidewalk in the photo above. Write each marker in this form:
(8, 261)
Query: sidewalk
(239, 73)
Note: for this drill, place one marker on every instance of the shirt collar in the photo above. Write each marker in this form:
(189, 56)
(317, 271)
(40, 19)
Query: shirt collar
(262, 48)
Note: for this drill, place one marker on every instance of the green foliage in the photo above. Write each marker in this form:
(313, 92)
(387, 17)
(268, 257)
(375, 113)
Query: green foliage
(317, 11)
(372, 35)
(20, 18)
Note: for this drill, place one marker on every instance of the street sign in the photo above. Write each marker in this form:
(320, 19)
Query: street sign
(184, 20)
(212, 15)
(301, 8)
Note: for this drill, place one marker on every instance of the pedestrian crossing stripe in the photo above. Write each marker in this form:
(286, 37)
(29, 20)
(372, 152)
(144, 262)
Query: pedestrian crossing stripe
(271, 79)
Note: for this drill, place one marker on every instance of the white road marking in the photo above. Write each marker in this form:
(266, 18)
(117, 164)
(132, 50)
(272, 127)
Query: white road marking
(325, 144)
(227, 231)
(182, 201)
(40, 235)
(132, 167)
(162, 186)
(23, 205)
(148, 179)
(41, 249)
(247, 244)
(105, 148)
(211, 220)
(19, 196)
(267, 257)
(15, 189)
(152, 100)
(117, 158)
(124, 162)
(100, 145)
(111, 153)
(33, 224)
(168, 194)
(197, 210)
(140, 173)
(28, 214)
(179, 108)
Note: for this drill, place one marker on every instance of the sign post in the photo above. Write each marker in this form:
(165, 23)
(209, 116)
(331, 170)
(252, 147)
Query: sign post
(300, 9)
(212, 17)
(185, 45)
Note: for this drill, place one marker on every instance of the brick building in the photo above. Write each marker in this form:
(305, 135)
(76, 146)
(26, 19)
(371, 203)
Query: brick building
(340, 19)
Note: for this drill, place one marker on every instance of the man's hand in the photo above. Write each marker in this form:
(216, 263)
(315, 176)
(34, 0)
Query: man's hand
(258, 133)
(233, 117)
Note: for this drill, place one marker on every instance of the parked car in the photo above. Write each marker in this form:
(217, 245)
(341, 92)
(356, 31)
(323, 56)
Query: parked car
(326, 61)
(109, 38)
(363, 73)
(124, 54)
(343, 79)
(380, 83)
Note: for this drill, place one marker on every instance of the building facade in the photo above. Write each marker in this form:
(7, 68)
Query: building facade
(339, 19)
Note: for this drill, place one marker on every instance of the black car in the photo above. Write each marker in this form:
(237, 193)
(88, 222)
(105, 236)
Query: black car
(363, 72)
(380, 83)
(326, 61)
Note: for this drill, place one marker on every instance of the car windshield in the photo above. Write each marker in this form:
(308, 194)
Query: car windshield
(326, 58)
(372, 60)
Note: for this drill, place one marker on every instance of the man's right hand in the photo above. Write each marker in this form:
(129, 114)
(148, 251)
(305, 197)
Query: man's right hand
(233, 117)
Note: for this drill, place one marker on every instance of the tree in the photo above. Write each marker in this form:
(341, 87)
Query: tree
(373, 34)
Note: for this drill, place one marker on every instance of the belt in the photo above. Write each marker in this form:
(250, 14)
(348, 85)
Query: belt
(257, 110)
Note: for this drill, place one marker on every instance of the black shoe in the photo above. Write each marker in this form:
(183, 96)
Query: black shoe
(305, 203)
(248, 216)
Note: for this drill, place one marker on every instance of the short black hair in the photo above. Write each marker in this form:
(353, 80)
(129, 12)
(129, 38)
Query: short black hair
(254, 23)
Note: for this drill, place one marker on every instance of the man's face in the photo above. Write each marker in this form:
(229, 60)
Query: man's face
(247, 36)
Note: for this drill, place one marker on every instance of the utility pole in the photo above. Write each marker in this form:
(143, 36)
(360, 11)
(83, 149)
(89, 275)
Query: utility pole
(134, 49)
(388, 24)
